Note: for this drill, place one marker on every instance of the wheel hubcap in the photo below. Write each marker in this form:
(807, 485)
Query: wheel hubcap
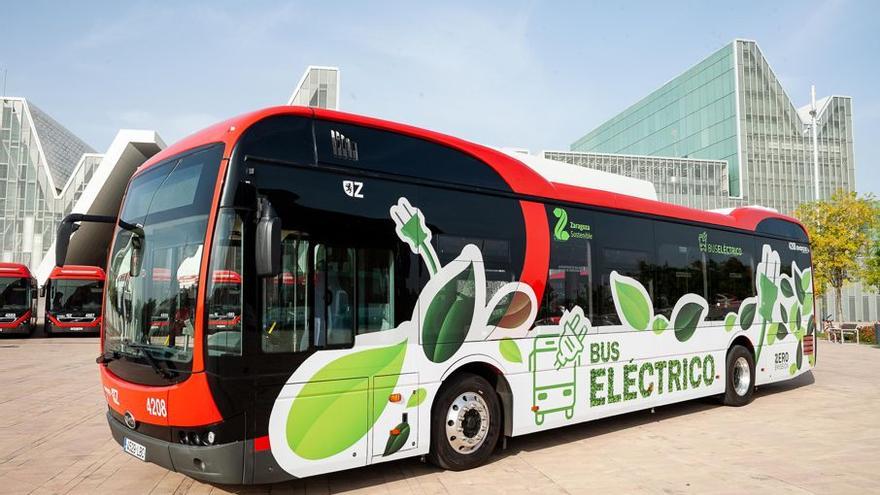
(467, 422)
(742, 376)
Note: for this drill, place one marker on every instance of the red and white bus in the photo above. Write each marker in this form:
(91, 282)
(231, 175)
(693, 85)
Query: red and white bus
(404, 292)
(18, 296)
(73, 295)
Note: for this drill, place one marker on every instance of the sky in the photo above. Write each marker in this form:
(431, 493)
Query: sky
(524, 74)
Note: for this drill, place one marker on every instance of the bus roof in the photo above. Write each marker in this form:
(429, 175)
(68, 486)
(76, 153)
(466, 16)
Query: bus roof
(14, 270)
(522, 178)
(80, 272)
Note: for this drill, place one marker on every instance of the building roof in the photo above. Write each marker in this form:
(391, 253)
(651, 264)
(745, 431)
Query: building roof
(60, 147)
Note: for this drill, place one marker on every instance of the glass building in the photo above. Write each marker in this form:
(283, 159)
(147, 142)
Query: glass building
(730, 107)
(43, 170)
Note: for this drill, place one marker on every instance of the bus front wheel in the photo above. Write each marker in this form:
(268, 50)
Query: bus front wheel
(740, 379)
(465, 423)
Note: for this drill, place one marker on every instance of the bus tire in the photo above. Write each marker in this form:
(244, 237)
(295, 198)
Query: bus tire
(465, 423)
(740, 379)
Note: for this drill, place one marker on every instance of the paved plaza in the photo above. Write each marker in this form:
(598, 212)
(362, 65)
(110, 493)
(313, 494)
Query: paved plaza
(817, 434)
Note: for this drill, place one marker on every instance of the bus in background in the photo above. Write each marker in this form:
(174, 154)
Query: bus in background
(73, 296)
(18, 297)
(399, 292)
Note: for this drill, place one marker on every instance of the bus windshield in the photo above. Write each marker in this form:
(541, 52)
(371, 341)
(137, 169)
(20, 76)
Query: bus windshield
(14, 295)
(153, 274)
(75, 297)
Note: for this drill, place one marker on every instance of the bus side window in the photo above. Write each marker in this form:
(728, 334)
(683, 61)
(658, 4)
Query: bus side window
(680, 265)
(626, 245)
(730, 266)
(569, 278)
(286, 312)
(354, 293)
(224, 287)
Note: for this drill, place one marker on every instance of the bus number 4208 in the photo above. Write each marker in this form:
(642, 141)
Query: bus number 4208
(156, 407)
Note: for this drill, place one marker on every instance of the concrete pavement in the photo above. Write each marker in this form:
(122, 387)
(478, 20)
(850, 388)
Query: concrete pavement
(817, 434)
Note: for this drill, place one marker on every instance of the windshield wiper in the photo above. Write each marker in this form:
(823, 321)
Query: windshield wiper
(107, 357)
(146, 349)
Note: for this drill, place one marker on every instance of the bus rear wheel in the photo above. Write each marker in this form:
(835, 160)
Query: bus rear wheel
(465, 423)
(740, 380)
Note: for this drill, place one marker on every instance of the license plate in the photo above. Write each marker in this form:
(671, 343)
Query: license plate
(76, 329)
(135, 449)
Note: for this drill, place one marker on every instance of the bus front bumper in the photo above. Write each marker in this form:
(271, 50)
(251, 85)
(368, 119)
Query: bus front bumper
(224, 464)
(22, 329)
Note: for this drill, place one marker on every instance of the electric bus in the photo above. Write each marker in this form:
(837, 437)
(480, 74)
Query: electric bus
(18, 296)
(406, 293)
(73, 297)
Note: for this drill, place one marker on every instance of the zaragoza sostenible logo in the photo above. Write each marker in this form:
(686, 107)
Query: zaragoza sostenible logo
(559, 232)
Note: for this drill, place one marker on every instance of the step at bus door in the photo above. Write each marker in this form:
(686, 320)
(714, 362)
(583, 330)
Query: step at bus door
(397, 428)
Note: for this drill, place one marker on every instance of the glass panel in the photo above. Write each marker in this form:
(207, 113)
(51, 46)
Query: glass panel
(375, 290)
(224, 287)
(286, 307)
(334, 295)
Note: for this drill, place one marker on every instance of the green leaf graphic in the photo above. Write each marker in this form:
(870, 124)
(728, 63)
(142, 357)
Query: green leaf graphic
(330, 412)
(781, 331)
(509, 350)
(807, 279)
(767, 293)
(417, 398)
(800, 355)
(811, 358)
(747, 315)
(783, 313)
(785, 286)
(636, 307)
(808, 304)
(686, 320)
(798, 286)
(396, 442)
(771, 333)
(659, 324)
(729, 322)
(792, 369)
(449, 317)
(811, 326)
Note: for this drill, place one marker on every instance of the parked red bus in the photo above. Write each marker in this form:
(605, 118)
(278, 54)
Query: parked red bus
(74, 295)
(407, 293)
(18, 295)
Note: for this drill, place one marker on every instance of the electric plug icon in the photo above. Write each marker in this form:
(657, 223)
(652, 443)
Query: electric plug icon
(409, 223)
(571, 341)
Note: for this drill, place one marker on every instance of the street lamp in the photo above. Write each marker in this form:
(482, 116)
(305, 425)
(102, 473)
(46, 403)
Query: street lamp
(813, 115)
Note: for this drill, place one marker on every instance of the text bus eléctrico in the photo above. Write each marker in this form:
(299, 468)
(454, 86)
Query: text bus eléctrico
(18, 296)
(73, 295)
(403, 292)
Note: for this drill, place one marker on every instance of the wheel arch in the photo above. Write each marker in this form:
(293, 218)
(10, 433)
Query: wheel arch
(491, 371)
(744, 341)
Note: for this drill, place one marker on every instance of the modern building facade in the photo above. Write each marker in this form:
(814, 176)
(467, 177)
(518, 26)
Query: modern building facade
(731, 108)
(691, 182)
(43, 169)
(318, 87)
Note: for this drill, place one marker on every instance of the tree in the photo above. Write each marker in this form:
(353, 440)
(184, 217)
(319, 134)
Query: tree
(840, 231)
(872, 264)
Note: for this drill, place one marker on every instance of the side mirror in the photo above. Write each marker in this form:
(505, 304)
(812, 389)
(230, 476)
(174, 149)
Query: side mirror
(268, 241)
(62, 240)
